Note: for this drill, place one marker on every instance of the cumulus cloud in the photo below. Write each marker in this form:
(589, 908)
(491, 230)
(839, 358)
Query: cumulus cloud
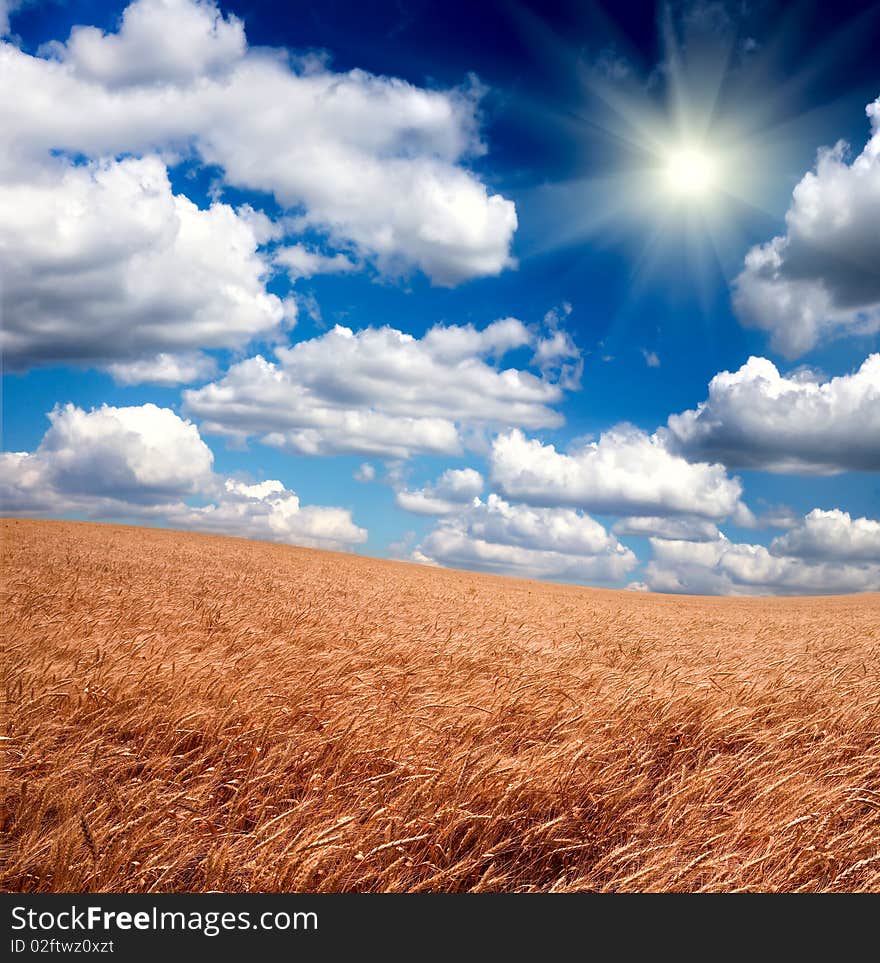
(556, 354)
(158, 42)
(7, 8)
(381, 392)
(723, 567)
(145, 463)
(820, 279)
(269, 511)
(454, 489)
(626, 472)
(375, 164)
(554, 543)
(300, 261)
(365, 473)
(831, 536)
(141, 454)
(103, 264)
(670, 527)
(757, 418)
(164, 369)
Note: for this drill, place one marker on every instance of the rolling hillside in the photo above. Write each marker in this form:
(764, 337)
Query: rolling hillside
(187, 712)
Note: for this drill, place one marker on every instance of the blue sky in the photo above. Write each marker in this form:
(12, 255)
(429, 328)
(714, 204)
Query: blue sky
(495, 256)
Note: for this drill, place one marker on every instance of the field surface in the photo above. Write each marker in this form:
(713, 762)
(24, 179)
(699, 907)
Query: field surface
(186, 712)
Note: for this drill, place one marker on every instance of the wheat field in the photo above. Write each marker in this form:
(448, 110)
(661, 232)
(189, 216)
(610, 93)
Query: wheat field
(187, 713)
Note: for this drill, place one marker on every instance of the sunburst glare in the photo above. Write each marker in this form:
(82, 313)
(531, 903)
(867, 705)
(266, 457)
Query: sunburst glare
(691, 172)
(683, 158)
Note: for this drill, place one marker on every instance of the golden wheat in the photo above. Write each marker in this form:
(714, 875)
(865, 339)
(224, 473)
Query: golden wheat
(186, 712)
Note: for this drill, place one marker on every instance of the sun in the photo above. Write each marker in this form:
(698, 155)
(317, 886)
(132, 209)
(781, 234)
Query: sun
(690, 173)
(679, 162)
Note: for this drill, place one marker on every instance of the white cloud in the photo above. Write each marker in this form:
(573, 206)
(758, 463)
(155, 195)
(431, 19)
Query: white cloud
(831, 536)
(820, 279)
(556, 355)
(381, 392)
(652, 359)
(777, 516)
(553, 543)
(141, 463)
(158, 42)
(376, 164)
(7, 8)
(259, 490)
(164, 369)
(258, 397)
(758, 418)
(453, 490)
(402, 548)
(626, 472)
(365, 473)
(269, 511)
(670, 527)
(103, 264)
(144, 454)
(302, 262)
(722, 567)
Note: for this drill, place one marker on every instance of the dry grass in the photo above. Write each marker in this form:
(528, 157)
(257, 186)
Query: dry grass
(195, 713)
